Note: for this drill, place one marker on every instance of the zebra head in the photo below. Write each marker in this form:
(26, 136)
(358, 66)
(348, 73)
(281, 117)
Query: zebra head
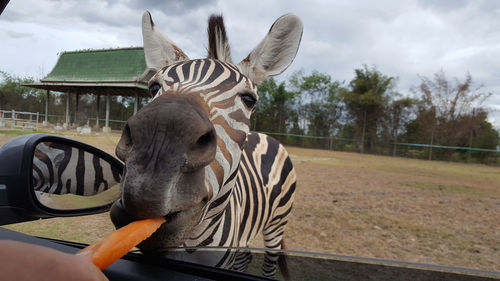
(182, 150)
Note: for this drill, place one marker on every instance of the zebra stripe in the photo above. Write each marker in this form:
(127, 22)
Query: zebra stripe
(62, 169)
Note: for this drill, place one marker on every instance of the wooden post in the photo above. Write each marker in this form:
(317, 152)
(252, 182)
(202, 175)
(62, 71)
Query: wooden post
(394, 146)
(46, 122)
(136, 103)
(470, 136)
(363, 133)
(76, 109)
(66, 125)
(432, 132)
(432, 142)
(107, 110)
(97, 114)
(106, 128)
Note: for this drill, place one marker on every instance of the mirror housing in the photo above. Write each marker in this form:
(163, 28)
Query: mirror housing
(18, 201)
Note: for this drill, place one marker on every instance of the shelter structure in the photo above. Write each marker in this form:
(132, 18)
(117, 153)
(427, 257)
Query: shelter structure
(108, 72)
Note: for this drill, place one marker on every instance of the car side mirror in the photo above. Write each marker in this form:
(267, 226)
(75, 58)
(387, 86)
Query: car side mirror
(43, 176)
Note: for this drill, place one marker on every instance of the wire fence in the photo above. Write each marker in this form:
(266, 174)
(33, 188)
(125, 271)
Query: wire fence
(410, 150)
(30, 121)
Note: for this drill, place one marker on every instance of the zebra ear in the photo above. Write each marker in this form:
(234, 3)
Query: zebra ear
(159, 50)
(276, 51)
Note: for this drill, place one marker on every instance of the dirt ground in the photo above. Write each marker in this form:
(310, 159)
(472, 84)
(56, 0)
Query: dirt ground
(364, 205)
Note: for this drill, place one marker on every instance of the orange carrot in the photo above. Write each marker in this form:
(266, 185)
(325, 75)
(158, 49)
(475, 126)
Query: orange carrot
(120, 241)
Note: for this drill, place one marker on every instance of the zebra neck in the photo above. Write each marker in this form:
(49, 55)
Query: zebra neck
(214, 229)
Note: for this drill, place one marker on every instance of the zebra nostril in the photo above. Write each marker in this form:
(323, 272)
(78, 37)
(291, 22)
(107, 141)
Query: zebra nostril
(201, 152)
(206, 139)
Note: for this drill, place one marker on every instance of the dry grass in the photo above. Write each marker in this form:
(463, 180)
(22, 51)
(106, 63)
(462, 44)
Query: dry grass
(396, 208)
(364, 205)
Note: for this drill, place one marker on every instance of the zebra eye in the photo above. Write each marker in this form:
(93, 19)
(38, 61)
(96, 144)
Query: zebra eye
(249, 100)
(154, 88)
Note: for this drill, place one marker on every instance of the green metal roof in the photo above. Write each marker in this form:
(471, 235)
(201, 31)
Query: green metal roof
(113, 65)
(121, 72)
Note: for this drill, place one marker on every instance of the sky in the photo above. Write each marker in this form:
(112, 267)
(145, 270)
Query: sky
(401, 38)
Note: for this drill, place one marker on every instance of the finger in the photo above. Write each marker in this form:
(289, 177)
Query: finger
(88, 269)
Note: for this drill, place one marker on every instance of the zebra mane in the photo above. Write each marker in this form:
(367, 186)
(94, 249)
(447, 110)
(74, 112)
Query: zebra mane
(218, 45)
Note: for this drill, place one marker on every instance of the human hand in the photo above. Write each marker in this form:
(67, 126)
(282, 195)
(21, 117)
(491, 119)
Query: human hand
(22, 261)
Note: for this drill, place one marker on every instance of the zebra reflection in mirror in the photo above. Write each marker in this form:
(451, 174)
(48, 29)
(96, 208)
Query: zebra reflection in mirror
(62, 169)
(190, 156)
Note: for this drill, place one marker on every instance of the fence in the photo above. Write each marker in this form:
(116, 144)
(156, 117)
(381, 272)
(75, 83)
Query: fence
(19, 119)
(61, 119)
(31, 120)
(410, 150)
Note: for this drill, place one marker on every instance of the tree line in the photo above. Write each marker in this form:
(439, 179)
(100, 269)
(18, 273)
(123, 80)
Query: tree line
(366, 114)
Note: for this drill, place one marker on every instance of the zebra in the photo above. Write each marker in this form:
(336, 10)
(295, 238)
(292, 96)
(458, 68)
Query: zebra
(190, 157)
(62, 169)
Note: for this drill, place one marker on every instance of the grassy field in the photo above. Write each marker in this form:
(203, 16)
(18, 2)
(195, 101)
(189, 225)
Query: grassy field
(363, 205)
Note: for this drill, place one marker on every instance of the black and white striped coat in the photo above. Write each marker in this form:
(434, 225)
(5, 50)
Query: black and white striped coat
(259, 203)
(190, 157)
(62, 169)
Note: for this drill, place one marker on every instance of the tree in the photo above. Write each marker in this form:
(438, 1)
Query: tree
(486, 136)
(398, 114)
(366, 98)
(448, 111)
(450, 100)
(274, 110)
(15, 96)
(319, 103)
